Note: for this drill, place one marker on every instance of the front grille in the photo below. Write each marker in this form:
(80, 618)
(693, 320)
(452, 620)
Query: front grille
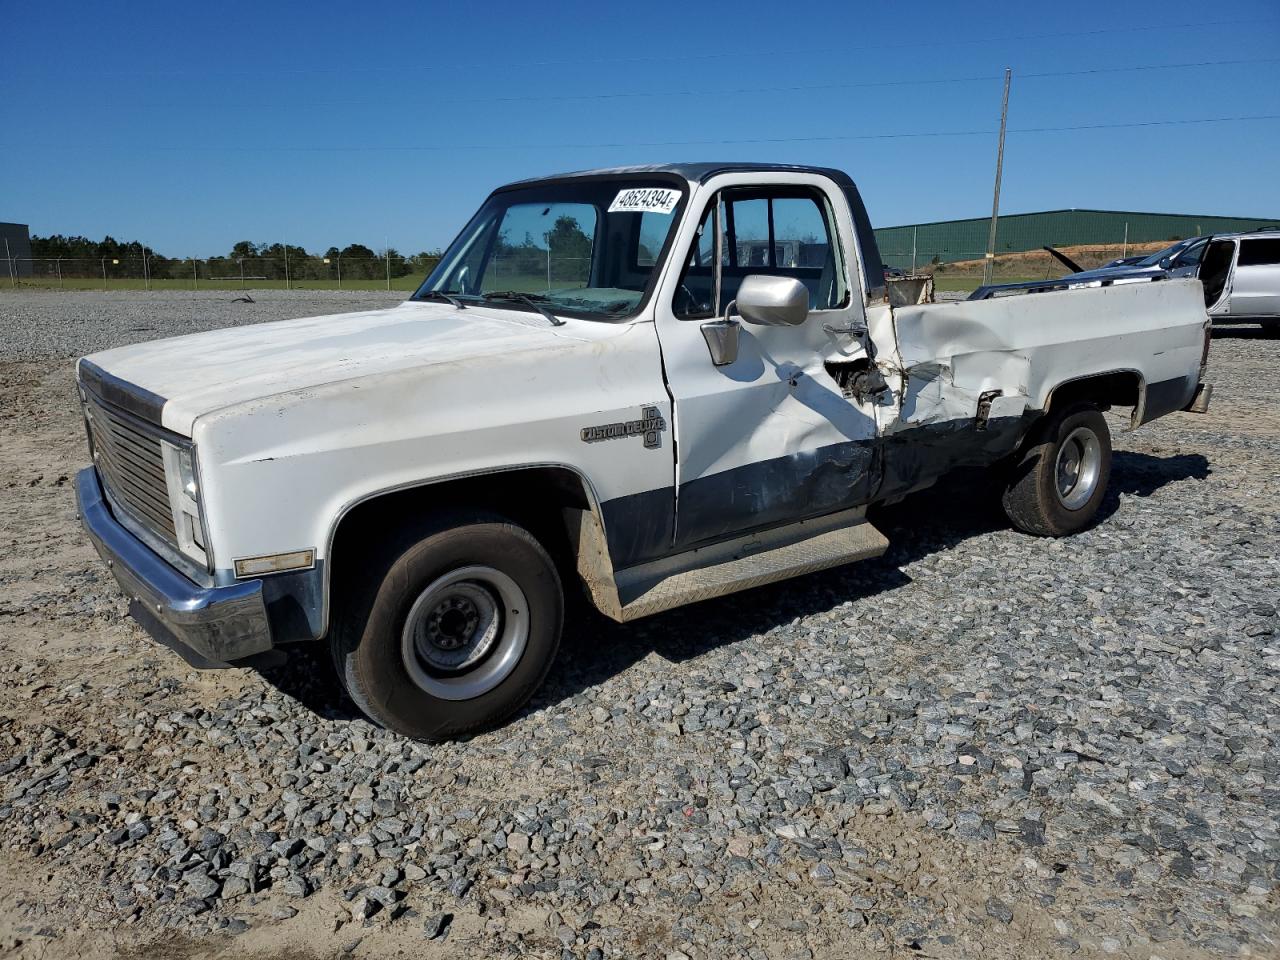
(127, 454)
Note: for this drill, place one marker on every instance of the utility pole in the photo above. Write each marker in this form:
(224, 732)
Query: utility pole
(146, 273)
(995, 201)
(386, 253)
(9, 257)
(286, 266)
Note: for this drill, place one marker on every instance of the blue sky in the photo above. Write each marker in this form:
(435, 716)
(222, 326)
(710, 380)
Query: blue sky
(192, 127)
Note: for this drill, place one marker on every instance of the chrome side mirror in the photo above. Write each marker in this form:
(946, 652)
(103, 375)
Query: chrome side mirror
(773, 301)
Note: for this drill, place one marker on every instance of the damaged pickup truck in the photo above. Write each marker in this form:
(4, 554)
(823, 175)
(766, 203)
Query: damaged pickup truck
(662, 384)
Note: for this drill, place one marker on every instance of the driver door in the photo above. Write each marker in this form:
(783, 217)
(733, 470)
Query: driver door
(770, 437)
(1187, 263)
(1216, 273)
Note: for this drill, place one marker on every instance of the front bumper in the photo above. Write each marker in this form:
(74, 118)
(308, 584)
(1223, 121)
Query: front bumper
(208, 626)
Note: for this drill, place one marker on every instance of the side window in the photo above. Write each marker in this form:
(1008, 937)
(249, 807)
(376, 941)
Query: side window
(1191, 256)
(750, 232)
(694, 298)
(801, 235)
(781, 231)
(1259, 252)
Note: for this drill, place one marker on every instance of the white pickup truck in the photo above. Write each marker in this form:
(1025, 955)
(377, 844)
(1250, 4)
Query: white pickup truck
(661, 383)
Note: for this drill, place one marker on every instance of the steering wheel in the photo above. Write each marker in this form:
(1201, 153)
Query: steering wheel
(688, 294)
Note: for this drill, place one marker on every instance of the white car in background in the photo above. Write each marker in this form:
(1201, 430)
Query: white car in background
(1239, 272)
(1241, 277)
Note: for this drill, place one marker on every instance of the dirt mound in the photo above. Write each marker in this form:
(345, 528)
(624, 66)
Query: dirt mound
(1039, 263)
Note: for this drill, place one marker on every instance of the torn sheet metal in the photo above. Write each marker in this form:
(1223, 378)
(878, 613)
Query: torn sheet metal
(954, 353)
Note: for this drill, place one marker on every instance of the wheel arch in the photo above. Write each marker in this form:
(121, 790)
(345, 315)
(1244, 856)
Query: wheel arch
(556, 502)
(1125, 387)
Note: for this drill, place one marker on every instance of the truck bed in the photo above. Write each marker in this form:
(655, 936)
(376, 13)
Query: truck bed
(1021, 348)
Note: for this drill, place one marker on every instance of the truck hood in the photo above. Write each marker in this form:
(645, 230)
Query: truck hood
(199, 373)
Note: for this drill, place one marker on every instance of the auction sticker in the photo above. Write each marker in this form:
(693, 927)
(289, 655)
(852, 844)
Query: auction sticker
(645, 200)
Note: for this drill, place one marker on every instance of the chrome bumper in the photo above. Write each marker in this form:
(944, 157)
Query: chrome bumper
(208, 626)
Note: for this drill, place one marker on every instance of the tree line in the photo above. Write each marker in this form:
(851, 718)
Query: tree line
(564, 254)
(356, 261)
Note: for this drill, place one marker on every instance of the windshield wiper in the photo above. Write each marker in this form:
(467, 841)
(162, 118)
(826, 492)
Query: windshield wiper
(442, 295)
(535, 300)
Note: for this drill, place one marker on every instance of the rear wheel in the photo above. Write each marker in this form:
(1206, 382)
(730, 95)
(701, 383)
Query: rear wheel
(1059, 482)
(453, 632)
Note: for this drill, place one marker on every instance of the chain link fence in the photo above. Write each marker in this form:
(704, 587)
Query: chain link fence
(952, 270)
(218, 273)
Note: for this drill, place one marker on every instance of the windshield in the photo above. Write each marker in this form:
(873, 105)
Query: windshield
(584, 247)
(1155, 258)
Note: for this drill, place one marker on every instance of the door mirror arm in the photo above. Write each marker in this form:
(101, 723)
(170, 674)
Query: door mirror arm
(722, 337)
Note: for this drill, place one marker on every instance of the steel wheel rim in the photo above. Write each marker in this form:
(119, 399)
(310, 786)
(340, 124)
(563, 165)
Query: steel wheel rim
(1077, 468)
(465, 633)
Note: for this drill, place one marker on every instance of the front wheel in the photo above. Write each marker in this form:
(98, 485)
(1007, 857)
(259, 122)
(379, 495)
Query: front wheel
(453, 633)
(1059, 482)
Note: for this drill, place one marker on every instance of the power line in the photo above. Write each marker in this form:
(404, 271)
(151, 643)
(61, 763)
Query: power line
(794, 88)
(1151, 66)
(435, 148)
(720, 55)
(1147, 123)
(808, 87)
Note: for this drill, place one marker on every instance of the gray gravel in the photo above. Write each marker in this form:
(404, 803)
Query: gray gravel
(980, 745)
(46, 323)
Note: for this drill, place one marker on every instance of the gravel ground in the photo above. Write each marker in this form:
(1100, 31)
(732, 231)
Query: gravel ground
(37, 324)
(980, 745)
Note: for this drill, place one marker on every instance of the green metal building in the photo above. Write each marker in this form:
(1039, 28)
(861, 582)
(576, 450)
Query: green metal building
(949, 240)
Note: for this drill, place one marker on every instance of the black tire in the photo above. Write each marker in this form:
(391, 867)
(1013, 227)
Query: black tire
(1033, 498)
(367, 640)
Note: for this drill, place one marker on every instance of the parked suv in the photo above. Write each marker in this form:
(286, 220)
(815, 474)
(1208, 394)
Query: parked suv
(1241, 277)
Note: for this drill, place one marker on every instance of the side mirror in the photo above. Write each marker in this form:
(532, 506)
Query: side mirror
(773, 301)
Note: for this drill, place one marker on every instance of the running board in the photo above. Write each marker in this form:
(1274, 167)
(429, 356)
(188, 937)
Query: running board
(746, 562)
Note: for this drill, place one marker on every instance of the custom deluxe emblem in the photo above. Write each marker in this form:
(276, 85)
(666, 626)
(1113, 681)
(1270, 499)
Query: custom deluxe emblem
(650, 426)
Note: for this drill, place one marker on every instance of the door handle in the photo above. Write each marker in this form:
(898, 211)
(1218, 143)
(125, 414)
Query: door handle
(852, 330)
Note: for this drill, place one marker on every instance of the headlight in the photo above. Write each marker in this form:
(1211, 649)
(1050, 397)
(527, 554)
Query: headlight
(184, 498)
